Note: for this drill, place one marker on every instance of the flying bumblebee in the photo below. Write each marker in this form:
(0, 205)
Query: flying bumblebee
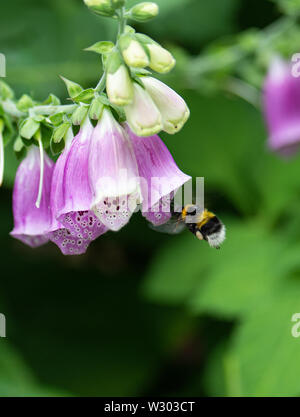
(204, 224)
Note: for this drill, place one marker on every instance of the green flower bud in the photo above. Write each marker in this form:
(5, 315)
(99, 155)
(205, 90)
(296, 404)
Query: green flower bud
(133, 52)
(160, 59)
(117, 4)
(144, 11)
(101, 7)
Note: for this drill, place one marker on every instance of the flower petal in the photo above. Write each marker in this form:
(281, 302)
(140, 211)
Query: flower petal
(142, 114)
(282, 107)
(160, 177)
(113, 174)
(32, 224)
(81, 229)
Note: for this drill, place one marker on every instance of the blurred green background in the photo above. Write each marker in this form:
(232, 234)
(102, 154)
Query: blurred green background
(142, 313)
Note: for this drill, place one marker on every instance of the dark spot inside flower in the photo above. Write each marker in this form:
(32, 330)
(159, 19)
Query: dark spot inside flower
(118, 208)
(81, 213)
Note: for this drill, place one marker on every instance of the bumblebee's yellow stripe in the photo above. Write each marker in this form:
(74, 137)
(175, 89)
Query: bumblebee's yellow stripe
(205, 217)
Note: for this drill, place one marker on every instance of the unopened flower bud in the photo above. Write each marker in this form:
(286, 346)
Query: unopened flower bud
(101, 7)
(133, 52)
(117, 4)
(118, 82)
(144, 11)
(142, 115)
(160, 59)
(172, 107)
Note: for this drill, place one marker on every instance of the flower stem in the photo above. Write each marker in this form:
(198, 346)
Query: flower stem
(10, 108)
(42, 167)
(50, 110)
(122, 21)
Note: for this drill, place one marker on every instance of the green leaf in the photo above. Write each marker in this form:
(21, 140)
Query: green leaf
(104, 47)
(73, 88)
(267, 355)
(86, 96)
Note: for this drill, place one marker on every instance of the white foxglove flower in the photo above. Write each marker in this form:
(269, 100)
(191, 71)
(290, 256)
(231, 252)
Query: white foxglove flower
(118, 82)
(172, 107)
(142, 114)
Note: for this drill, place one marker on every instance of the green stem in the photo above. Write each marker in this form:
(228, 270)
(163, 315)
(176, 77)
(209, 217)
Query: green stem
(122, 21)
(50, 110)
(244, 90)
(10, 108)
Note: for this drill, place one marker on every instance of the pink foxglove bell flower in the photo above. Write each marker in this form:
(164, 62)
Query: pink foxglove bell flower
(113, 173)
(142, 114)
(282, 108)
(160, 177)
(31, 223)
(71, 195)
(172, 107)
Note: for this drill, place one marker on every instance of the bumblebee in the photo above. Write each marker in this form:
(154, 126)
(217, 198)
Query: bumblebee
(204, 224)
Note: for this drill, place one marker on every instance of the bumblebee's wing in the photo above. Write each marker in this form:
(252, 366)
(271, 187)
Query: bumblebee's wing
(173, 227)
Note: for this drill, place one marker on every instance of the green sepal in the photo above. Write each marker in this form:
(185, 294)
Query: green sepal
(104, 100)
(28, 128)
(129, 29)
(114, 61)
(19, 148)
(8, 130)
(46, 134)
(118, 113)
(5, 91)
(57, 119)
(57, 142)
(125, 40)
(102, 48)
(60, 132)
(51, 100)
(86, 96)
(117, 4)
(96, 108)
(79, 115)
(73, 88)
(25, 103)
(144, 39)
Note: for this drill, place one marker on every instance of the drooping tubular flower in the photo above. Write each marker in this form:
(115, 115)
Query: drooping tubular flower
(282, 108)
(156, 107)
(71, 195)
(31, 223)
(160, 176)
(113, 173)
